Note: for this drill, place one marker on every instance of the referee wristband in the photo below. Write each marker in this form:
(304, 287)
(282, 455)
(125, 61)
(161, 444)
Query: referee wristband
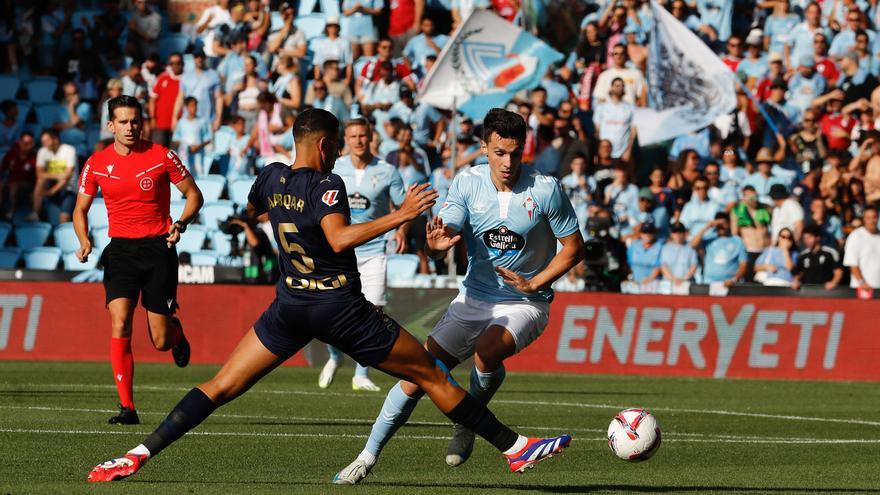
(180, 226)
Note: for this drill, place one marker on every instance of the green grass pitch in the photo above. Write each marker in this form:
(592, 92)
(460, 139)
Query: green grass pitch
(287, 436)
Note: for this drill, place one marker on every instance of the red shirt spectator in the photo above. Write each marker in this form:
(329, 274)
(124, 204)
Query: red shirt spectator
(19, 164)
(837, 127)
(829, 71)
(163, 96)
(136, 188)
(506, 8)
(404, 16)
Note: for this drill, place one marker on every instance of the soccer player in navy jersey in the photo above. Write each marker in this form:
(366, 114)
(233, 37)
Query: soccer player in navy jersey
(319, 296)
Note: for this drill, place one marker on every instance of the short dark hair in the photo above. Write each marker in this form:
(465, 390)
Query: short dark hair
(52, 132)
(871, 207)
(315, 121)
(190, 99)
(504, 123)
(124, 101)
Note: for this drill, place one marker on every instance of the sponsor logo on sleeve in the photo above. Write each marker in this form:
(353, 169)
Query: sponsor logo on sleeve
(330, 197)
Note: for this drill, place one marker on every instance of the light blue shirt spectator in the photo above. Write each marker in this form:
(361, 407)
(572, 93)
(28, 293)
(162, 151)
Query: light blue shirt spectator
(423, 121)
(696, 214)
(763, 184)
(556, 92)
(333, 105)
(614, 121)
(201, 86)
(191, 132)
(417, 49)
(723, 257)
(779, 29)
(359, 27)
(643, 260)
(803, 90)
(801, 40)
(338, 49)
(623, 203)
(658, 216)
(754, 69)
(844, 41)
(718, 14)
(774, 256)
(678, 259)
(697, 141)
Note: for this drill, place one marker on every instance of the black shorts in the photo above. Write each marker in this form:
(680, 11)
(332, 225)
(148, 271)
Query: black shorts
(356, 327)
(142, 266)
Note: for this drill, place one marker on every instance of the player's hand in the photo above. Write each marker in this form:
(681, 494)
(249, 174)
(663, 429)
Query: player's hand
(419, 198)
(400, 239)
(830, 285)
(436, 236)
(515, 280)
(82, 254)
(173, 234)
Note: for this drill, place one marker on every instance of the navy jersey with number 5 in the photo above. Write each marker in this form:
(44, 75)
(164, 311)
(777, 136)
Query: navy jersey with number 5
(297, 200)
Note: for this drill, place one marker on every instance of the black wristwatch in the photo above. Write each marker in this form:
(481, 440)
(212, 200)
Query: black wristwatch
(181, 227)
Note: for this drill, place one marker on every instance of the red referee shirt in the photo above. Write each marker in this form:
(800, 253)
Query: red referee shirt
(136, 188)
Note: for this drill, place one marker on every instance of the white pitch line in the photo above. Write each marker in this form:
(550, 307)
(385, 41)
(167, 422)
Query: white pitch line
(585, 405)
(804, 441)
(367, 422)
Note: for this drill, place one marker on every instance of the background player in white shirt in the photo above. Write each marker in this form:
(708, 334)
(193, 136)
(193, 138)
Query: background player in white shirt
(372, 186)
(511, 218)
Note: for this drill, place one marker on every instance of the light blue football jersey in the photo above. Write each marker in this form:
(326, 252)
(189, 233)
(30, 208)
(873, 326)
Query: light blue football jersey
(516, 230)
(370, 194)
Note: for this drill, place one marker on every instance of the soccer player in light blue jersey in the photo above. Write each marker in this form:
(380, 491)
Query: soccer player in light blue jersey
(372, 186)
(511, 218)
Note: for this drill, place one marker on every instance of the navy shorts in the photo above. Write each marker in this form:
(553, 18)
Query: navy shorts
(356, 327)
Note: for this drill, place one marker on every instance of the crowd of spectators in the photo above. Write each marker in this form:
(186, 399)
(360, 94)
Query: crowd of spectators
(780, 192)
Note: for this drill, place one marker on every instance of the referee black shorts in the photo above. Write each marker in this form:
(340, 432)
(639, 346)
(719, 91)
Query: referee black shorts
(356, 327)
(142, 267)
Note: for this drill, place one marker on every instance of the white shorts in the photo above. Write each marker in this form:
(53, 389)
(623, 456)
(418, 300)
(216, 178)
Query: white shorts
(467, 318)
(372, 270)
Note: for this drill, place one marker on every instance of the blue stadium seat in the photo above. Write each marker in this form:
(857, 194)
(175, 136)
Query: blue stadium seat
(5, 229)
(24, 110)
(76, 20)
(9, 257)
(402, 268)
(42, 89)
(93, 135)
(213, 213)
(211, 186)
(101, 237)
(72, 264)
(177, 207)
(98, 214)
(203, 258)
(42, 258)
(193, 239)
(77, 138)
(48, 114)
(312, 25)
(65, 237)
(239, 190)
(8, 87)
(32, 235)
(222, 243)
(172, 42)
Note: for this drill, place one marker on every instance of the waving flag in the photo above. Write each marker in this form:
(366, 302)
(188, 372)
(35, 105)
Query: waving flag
(688, 85)
(487, 61)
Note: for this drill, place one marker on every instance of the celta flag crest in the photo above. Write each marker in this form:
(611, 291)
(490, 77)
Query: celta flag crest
(487, 61)
(688, 85)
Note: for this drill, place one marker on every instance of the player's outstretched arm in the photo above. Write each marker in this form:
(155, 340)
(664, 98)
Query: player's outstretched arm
(571, 254)
(342, 236)
(81, 226)
(439, 238)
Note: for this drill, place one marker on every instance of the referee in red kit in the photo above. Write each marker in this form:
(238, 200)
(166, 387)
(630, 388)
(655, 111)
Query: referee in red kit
(135, 177)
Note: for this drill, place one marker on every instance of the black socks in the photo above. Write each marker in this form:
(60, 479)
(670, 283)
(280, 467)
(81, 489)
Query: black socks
(473, 414)
(186, 415)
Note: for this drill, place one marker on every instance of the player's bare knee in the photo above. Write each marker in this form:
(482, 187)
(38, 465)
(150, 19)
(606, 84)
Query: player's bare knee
(411, 389)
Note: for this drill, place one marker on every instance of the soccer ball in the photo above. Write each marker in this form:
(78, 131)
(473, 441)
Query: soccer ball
(634, 435)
